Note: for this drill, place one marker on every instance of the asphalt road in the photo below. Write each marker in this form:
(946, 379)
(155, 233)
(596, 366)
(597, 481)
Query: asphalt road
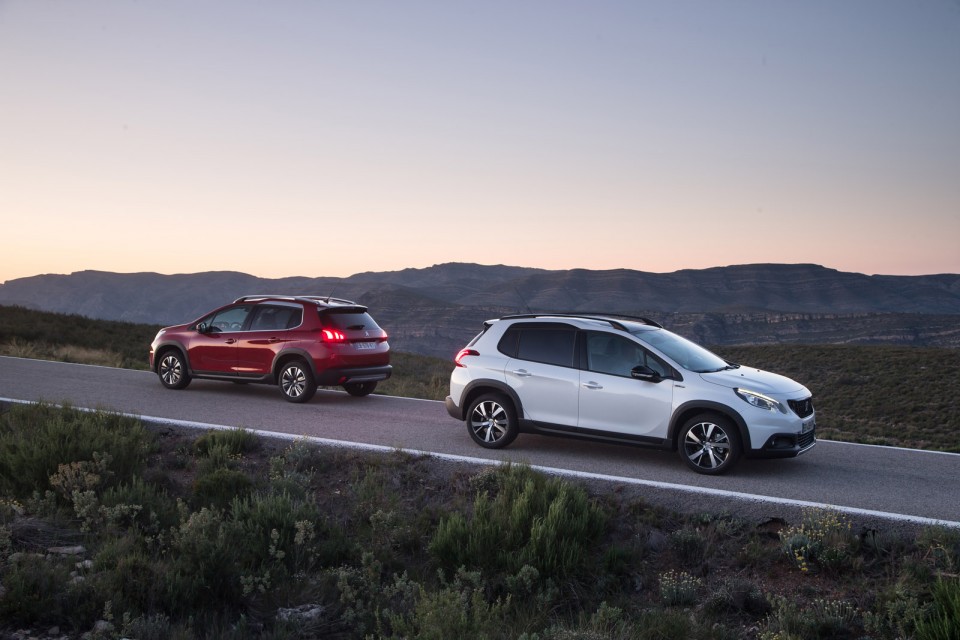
(877, 486)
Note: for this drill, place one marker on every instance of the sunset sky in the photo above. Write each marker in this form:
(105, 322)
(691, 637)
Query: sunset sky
(326, 138)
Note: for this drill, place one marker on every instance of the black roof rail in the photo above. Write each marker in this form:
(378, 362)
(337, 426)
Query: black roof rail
(287, 297)
(610, 318)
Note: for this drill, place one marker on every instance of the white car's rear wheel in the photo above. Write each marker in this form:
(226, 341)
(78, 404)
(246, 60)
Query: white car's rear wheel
(492, 421)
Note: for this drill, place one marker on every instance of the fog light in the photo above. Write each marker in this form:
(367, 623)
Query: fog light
(781, 442)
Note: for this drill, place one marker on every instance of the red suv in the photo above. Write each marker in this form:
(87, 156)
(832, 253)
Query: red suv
(296, 342)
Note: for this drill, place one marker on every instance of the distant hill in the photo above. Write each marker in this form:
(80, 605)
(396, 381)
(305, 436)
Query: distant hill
(436, 309)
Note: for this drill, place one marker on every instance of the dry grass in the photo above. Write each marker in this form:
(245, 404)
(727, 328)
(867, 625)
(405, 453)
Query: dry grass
(62, 353)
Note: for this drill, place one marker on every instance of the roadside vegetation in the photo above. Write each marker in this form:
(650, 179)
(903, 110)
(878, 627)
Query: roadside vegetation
(113, 529)
(886, 395)
(25, 333)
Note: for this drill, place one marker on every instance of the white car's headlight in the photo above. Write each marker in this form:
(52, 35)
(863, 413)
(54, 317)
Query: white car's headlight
(760, 401)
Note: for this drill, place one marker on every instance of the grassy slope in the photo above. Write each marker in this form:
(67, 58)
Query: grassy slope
(191, 535)
(900, 396)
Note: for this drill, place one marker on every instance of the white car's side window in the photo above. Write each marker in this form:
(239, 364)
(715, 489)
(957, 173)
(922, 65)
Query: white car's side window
(614, 355)
(618, 356)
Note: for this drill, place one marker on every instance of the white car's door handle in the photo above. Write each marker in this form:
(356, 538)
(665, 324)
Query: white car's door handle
(523, 373)
(592, 385)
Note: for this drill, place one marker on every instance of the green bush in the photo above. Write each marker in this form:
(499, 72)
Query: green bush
(823, 540)
(234, 442)
(202, 572)
(736, 595)
(276, 531)
(689, 545)
(612, 623)
(547, 524)
(943, 623)
(133, 581)
(295, 466)
(158, 511)
(39, 589)
(375, 604)
(825, 619)
(35, 440)
(219, 487)
(679, 589)
(942, 548)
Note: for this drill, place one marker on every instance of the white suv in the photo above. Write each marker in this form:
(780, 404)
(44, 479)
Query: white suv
(624, 380)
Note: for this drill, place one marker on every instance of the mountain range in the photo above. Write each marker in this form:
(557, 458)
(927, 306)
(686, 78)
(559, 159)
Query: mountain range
(436, 310)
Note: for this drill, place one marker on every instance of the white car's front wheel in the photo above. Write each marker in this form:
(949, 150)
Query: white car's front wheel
(709, 444)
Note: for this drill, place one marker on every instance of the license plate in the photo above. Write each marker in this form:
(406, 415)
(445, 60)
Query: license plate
(363, 346)
(808, 426)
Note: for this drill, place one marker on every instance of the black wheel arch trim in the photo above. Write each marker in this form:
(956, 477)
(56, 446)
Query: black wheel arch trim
(285, 355)
(479, 387)
(163, 346)
(684, 411)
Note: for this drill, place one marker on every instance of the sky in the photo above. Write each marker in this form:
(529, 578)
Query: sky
(327, 138)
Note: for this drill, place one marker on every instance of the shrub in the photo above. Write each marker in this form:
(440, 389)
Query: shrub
(33, 588)
(234, 442)
(896, 611)
(689, 545)
(370, 601)
(941, 548)
(377, 605)
(202, 573)
(823, 538)
(822, 619)
(219, 487)
(547, 524)
(274, 531)
(295, 467)
(35, 440)
(455, 610)
(158, 511)
(152, 627)
(132, 580)
(737, 595)
(944, 621)
(678, 589)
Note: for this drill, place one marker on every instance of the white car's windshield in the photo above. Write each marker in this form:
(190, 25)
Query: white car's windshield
(685, 353)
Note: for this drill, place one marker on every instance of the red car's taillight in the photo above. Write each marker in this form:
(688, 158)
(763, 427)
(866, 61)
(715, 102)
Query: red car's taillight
(332, 335)
(463, 353)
